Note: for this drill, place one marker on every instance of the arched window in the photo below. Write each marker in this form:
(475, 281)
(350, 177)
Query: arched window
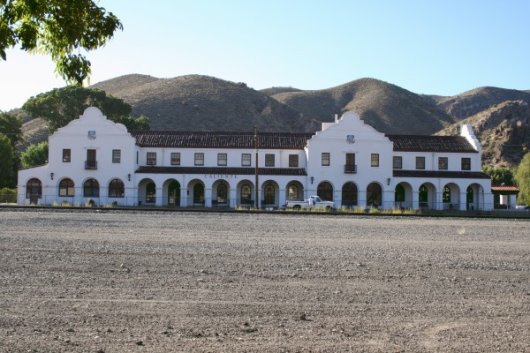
(116, 188)
(325, 191)
(246, 194)
(66, 188)
(349, 194)
(91, 188)
(33, 188)
(295, 191)
(374, 195)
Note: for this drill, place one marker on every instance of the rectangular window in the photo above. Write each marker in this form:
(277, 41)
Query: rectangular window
(374, 160)
(151, 158)
(443, 163)
(91, 162)
(397, 162)
(199, 159)
(293, 161)
(466, 163)
(326, 159)
(349, 166)
(246, 160)
(116, 156)
(175, 158)
(67, 155)
(222, 159)
(420, 162)
(269, 160)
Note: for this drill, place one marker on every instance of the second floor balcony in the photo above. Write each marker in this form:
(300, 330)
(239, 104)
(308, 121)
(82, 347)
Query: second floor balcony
(350, 168)
(91, 165)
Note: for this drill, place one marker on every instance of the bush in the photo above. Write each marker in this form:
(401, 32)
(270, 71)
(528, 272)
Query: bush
(8, 195)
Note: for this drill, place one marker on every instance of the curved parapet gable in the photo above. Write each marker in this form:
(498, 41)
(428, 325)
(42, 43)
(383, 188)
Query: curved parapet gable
(353, 126)
(91, 117)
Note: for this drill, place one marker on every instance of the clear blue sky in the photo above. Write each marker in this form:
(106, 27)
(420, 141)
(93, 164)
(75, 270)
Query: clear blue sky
(432, 47)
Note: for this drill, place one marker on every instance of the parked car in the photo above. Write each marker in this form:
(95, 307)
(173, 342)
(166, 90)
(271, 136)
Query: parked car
(311, 202)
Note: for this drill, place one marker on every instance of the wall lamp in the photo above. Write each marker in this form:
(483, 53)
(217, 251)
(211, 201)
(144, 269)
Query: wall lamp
(51, 175)
(312, 180)
(388, 181)
(129, 177)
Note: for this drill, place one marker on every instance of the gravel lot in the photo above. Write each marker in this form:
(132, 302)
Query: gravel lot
(89, 281)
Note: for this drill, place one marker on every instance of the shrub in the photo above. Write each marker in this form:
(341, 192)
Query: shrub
(8, 195)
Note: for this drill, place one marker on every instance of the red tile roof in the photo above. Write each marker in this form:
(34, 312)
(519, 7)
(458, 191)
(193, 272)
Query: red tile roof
(505, 188)
(187, 139)
(418, 143)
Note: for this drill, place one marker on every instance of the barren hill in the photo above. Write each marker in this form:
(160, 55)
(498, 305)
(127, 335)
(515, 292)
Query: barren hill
(206, 103)
(197, 102)
(388, 108)
(479, 99)
(503, 130)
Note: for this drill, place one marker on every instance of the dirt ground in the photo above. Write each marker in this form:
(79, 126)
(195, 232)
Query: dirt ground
(90, 281)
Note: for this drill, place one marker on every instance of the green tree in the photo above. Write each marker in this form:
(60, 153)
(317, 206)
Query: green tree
(59, 106)
(35, 155)
(7, 163)
(59, 28)
(140, 123)
(499, 175)
(10, 126)
(522, 176)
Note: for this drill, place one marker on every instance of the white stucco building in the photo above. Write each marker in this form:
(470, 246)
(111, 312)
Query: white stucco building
(93, 160)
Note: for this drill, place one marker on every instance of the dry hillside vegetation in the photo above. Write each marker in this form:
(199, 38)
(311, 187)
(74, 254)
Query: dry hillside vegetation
(386, 107)
(203, 103)
(504, 131)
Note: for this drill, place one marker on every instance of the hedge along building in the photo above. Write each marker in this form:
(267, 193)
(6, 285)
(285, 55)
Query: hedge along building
(95, 161)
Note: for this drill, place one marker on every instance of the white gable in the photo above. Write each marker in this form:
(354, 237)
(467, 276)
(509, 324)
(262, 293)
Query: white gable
(349, 124)
(92, 120)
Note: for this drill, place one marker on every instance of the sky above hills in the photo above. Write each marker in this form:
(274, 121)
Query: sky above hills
(432, 47)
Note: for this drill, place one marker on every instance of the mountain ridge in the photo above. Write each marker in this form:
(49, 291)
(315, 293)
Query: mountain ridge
(205, 103)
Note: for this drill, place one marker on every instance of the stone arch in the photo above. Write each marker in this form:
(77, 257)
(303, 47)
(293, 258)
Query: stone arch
(245, 193)
(427, 196)
(66, 188)
(374, 195)
(91, 188)
(451, 196)
(403, 195)
(221, 193)
(196, 192)
(349, 194)
(146, 192)
(474, 197)
(171, 191)
(325, 191)
(270, 193)
(294, 191)
(116, 188)
(34, 190)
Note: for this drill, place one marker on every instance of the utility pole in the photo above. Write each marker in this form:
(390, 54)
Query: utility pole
(256, 171)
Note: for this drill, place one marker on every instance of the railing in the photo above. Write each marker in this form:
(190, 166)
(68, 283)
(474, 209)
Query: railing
(91, 165)
(350, 168)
